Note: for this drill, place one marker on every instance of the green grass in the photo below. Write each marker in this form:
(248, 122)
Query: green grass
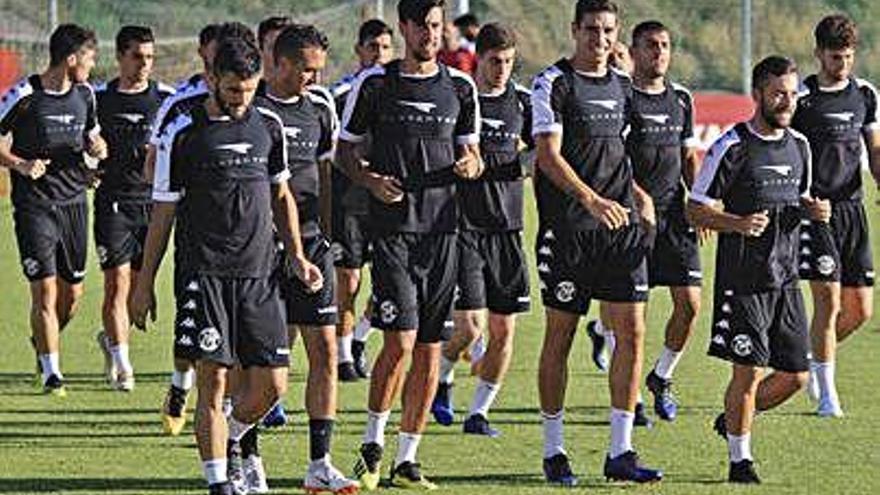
(98, 441)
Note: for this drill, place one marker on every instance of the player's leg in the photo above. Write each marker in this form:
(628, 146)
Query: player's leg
(114, 315)
(856, 309)
(46, 334)
(73, 224)
(823, 337)
(739, 412)
(776, 388)
(857, 297)
(188, 299)
(210, 424)
(348, 282)
(492, 370)
(361, 333)
(467, 331)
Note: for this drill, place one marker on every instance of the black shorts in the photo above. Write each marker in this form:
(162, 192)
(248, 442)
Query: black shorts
(231, 321)
(53, 240)
(839, 251)
(492, 272)
(414, 278)
(351, 244)
(764, 329)
(576, 267)
(120, 230)
(310, 308)
(674, 260)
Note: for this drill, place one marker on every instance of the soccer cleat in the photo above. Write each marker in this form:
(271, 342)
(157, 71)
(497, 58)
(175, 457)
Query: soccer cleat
(276, 417)
(441, 407)
(626, 467)
(720, 426)
(361, 364)
(221, 489)
(408, 475)
(347, 373)
(477, 424)
(642, 419)
(829, 409)
(327, 479)
(110, 371)
(235, 468)
(54, 385)
(598, 340)
(123, 382)
(743, 472)
(255, 475)
(664, 403)
(366, 468)
(557, 471)
(174, 411)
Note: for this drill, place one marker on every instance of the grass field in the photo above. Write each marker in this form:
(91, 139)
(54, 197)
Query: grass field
(98, 441)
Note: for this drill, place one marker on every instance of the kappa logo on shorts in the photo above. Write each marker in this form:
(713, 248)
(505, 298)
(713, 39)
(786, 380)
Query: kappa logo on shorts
(185, 341)
(31, 266)
(388, 311)
(545, 251)
(723, 325)
(725, 308)
(565, 291)
(826, 265)
(742, 345)
(543, 268)
(209, 339)
(192, 286)
(549, 235)
(102, 254)
(869, 275)
(719, 340)
(190, 305)
(806, 251)
(188, 323)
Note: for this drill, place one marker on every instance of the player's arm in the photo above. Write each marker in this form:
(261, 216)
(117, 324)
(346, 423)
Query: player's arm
(326, 153)
(286, 218)
(815, 208)
(872, 142)
(690, 164)
(34, 169)
(468, 161)
(644, 205)
(690, 145)
(96, 146)
(10, 112)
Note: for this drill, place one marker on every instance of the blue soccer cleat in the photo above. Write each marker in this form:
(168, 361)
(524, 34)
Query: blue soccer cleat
(276, 417)
(442, 408)
(557, 471)
(664, 403)
(626, 467)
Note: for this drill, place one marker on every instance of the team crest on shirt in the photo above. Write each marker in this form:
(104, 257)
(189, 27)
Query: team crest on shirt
(388, 311)
(31, 266)
(209, 339)
(565, 291)
(742, 345)
(825, 265)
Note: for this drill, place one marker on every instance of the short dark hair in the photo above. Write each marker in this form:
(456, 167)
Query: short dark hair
(271, 24)
(772, 66)
(238, 57)
(297, 37)
(129, 35)
(466, 20)
(237, 30)
(495, 36)
(417, 10)
(208, 34)
(68, 39)
(585, 7)
(836, 32)
(645, 28)
(372, 29)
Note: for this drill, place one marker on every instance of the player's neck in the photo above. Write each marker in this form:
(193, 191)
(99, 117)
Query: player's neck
(215, 111)
(760, 127)
(415, 67)
(826, 81)
(278, 90)
(596, 68)
(648, 84)
(56, 80)
(487, 88)
(127, 85)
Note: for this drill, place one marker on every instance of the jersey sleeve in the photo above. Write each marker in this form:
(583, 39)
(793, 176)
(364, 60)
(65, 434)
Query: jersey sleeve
(360, 105)
(329, 130)
(688, 132)
(168, 182)
(872, 115)
(11, 105)
(547, 102)
(524, 96)
(807, 161)
(279, 170)
(719, 170)
(467, 125)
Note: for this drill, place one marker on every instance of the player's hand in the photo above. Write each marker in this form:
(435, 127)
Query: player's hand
(753, 225)
(33, 169)
(704, 235)
(469, 167)
(97, 148)
(646, 210)
(385, 188)
(93, 177)
(309, 274)
(142, 304)
(610, 213)
(818, 209)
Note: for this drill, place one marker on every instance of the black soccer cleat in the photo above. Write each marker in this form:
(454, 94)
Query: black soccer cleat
(626, 467)
(598, 341)
(743, 472)
(347, 373)
(477, 424)
(361, 363)
(367, 465)
(557, 471)
(54, 385)
(720, 426)
(224, 488)
(641, 418)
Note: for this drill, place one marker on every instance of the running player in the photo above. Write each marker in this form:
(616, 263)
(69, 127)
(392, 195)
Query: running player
(760, 172)
(492, 268)
(310, 129)
(52, 120)
(217, 161)
(839, 114)
(126, 108)
(590, 243)
(663, 149)
(374, 46)
(424, 122)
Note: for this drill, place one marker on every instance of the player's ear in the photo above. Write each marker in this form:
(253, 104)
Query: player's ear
(72, 59)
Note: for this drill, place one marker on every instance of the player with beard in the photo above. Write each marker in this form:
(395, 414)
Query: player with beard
(760, 172)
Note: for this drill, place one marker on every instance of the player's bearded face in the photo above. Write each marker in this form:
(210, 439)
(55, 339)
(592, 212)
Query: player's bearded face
(595, 36)
(495, 66)
(837, 64)
(652, 54)
(234, 94)
(136, 63)
(778, 100)
(423, 40)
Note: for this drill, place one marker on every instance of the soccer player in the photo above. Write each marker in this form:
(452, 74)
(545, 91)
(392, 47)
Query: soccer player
(350, 205)
(52, 119)
(663, 149)
(126, 108)
(423, 119)
(590, 244)
(310, 129)
(492, 268)
(469, 27)
(760, 172)
(839, 115)
(227, 160)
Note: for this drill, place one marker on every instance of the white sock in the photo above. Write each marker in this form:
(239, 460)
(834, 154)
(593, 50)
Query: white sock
(363, 329)
(50, 365)
(183, 380)
(237, 429)
(610, 340)
(376, 422)
(344, 353)
(215, 471)
(484, 396)
(321, 463)
(447, 370)
(407, 446)
(621, 432)
(554, 442)
(666, 363)
(478, 349)
(825, 379)
(120, 358)
(740, 448)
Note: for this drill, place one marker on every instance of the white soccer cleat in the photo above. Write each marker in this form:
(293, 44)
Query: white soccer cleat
(324, 478)
(124, 382)
(255, 475)
(829, 409)
(110, 371)
(813, 386)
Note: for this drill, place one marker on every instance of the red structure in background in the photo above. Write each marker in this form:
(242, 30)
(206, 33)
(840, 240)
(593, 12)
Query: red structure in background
(10, 68)
(718, 111)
